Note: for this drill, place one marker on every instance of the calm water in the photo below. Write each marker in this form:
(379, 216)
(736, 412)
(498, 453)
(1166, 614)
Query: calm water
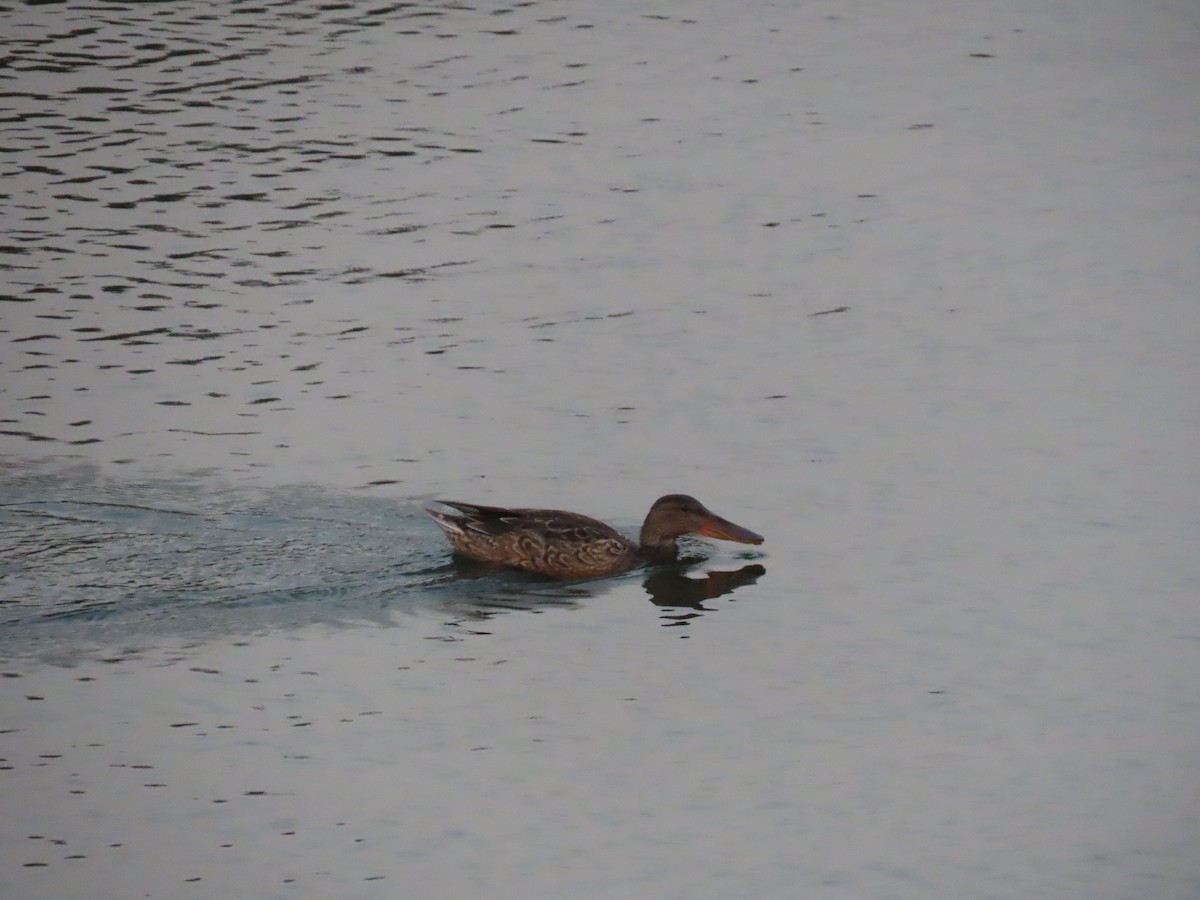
(910, 293)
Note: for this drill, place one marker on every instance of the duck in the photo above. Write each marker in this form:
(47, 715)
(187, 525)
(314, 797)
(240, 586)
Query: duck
(569, 546)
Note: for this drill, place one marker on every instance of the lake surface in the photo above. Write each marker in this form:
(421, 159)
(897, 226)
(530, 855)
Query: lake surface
(911, 292)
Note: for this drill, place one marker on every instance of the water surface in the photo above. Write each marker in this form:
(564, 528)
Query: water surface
(911, 293)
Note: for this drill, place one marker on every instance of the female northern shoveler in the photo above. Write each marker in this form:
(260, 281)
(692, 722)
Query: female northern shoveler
(570, 546)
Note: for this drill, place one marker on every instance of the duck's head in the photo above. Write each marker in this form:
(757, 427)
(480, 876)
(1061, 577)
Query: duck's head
(678, 514)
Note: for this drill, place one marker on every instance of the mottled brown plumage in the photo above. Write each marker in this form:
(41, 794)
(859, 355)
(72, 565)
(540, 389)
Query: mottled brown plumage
(567, 545)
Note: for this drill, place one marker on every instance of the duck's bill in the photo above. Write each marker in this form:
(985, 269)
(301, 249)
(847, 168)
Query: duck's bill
(724, 530)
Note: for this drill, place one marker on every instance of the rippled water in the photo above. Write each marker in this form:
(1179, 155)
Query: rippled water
(109, 561)
(212, 219)
(908, 290)
(90, 563)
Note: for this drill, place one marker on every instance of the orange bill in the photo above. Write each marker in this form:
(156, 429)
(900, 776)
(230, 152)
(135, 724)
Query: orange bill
(723, 529)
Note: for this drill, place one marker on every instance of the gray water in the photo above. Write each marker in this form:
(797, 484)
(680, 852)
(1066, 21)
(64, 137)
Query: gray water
(910, 291)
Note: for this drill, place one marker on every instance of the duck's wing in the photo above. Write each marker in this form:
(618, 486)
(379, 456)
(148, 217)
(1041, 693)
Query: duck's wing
(484, 520)
(551, 541)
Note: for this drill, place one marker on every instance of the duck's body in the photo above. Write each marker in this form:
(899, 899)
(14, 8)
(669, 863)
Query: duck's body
(568, 545)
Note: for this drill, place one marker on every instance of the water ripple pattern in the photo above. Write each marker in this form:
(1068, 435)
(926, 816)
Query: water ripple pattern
(85, 562)
(213, 217)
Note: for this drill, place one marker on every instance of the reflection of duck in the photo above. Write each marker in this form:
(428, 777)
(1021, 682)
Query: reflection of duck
(570, 546)
(672, 588)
